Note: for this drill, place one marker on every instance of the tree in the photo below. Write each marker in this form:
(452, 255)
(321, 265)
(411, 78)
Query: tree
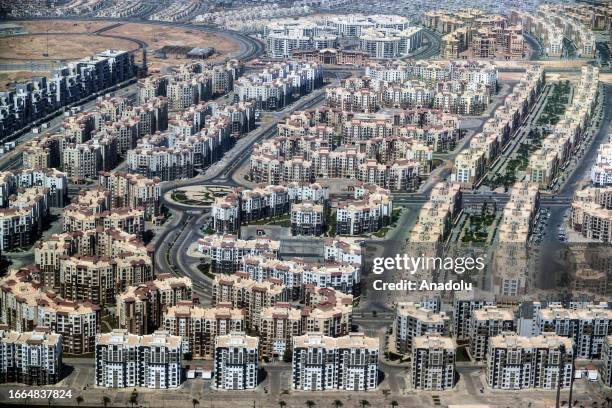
(79, 400)
(287, 356)
(338, 403)
(134, 397)
(105, 401)
(310, 404)
(50, 400)
(394, 403)
(282, 404)
(364, 403)
(195, 402)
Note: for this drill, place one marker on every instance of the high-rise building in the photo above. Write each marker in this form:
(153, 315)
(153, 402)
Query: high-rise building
(128, 360)
(347, 363)
(32, 358)
(433, 363)
(236, 361)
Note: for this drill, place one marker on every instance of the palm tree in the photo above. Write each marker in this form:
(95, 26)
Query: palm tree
(394, 403)
(364, 403)
(338, 403)
(105, 401)
(134, 397)
(282, 404)
(608, 401)
(195, 402)
(310, 404)
(50, 400)
(79, 400)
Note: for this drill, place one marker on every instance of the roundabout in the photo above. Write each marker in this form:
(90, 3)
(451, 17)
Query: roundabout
(197, 195)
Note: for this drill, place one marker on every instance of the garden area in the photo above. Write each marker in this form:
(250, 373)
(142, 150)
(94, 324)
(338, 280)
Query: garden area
(555, 104)
(478, 228)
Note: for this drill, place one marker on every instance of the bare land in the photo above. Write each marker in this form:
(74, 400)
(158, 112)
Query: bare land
(58, 47)
(83, 41)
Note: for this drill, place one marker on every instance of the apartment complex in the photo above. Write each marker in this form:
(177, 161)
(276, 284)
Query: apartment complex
(348, 363)
(412, 320)
(30, 357)
(245, 206)
(125, 360)
(24, 305)
(546, 163)
(433, 363)
(225, 253)
(473, 33)
(199, 326)
(515, 362)
(279, 84)
(33, 100)
(236, 361)
(140, 308)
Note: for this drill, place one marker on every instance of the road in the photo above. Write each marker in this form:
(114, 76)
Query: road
(184, 227)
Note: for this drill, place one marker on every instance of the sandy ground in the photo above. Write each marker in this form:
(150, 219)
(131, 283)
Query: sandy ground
(62, 26)
(84, 43)
(60, 47)
(157, 37)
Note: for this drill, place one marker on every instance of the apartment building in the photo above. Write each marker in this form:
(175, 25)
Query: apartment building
(100, 279)
(25, 305)
(200, 326)
(516, 363)
(226, 252)
(279, 325)
(348, 363)
(247, 294)
(296, 273)
(307, 218)
(468, 168)
(412, 320)
(588, 328)
(41, 96)
(31, 357)
(605, 370)
(236, 361)
(278, 84)
(140, 308)
(370, 210)
(24, 218)
(433, 363)
(463, 308)
(488, 322)
(125, 360)
(133, 191)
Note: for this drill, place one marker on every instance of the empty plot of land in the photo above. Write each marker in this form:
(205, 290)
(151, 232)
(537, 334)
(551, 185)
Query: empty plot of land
(159, 36)
(62, 26)
(58, 47)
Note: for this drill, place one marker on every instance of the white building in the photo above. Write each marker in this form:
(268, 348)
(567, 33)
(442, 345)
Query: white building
(32, 358)
(433, 363)
(515, 362)
(348, 363)
(236, 361)
(127, 360)
(412, 320)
